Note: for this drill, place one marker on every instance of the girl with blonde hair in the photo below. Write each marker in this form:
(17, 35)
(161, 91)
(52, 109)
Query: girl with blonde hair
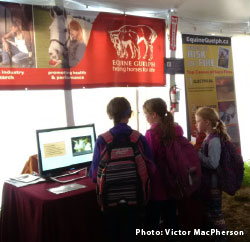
(208, 122)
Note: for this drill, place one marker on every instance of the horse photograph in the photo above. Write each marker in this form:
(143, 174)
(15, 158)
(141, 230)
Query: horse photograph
(61, 36)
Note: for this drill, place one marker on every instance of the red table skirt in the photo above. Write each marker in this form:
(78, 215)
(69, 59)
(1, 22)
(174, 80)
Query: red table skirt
(33, 214)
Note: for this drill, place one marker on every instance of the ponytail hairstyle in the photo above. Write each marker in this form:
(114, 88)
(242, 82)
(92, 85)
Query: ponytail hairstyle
(119, 108)
(207, 113)
(158, 106)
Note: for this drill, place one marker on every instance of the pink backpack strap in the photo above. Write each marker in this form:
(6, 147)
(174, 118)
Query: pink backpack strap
(108, 137)
(134, 136)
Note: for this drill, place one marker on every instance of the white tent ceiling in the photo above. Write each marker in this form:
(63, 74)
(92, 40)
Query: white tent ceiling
(197, 16)
(210, 10)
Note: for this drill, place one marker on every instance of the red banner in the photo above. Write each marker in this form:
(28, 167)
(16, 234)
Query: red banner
(74, 49)
(173, 32)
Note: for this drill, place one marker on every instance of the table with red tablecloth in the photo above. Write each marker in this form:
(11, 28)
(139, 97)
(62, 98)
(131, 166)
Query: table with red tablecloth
(33, 214)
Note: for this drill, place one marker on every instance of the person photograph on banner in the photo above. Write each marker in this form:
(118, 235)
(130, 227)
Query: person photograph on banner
(228, 114)
(75, 46)
(17, 42)
(61, 36)
(223, 57)
(225, 88)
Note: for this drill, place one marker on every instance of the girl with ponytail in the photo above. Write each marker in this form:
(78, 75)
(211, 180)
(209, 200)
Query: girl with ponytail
(217, 126)
(162, 134)
(208, 122)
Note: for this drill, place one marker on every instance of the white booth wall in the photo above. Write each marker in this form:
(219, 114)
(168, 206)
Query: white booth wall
(23, 112)
(241, 54)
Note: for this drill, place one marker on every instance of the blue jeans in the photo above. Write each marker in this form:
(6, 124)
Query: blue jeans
(15, 56)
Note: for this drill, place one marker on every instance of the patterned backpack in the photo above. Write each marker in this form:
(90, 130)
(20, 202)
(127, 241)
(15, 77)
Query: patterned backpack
(122, 177)
(231, 168)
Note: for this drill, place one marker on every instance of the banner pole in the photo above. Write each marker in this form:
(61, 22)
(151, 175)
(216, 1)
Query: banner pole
(137, 109)
(172, 52)
(67, 89)
(69, 107)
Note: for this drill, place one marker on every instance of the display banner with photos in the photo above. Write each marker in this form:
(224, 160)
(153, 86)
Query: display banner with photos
(209, 79)
(53, 47)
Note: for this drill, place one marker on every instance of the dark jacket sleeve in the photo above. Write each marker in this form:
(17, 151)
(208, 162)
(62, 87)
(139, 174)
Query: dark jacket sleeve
(147, 156)
(96, 159)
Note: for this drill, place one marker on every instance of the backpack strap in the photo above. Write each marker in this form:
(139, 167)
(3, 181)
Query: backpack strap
(108, 137)
(134, 136)
(211, 136)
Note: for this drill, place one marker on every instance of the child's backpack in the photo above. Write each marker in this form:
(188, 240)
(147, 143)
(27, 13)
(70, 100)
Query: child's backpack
(231, 168)
(122, 176)
(183, 169)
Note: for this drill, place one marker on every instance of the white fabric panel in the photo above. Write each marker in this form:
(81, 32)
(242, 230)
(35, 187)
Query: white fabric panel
(22, 113)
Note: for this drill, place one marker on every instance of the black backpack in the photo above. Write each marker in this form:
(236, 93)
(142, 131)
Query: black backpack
(122, 177)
